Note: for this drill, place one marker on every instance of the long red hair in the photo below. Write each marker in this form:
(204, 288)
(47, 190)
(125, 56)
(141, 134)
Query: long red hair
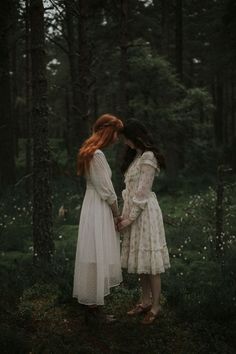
(104, 131)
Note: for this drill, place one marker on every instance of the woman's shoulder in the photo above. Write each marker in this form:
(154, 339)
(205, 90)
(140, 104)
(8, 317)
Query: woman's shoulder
(99, 158)
(98, 151)
(149, 158)
(99, 155)
(149, 155)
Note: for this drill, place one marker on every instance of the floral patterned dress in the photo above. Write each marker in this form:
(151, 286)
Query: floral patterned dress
(144, 248)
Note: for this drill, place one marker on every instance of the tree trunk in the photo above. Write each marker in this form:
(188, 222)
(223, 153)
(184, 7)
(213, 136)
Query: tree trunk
(28, 94)
(233, 110)
(219, 103)
(179, 38)
(14, 76)
(219, 242)
(123, 104)
(42, 204)
(7, 160)
(73, 112)
(165, 28)
(83, 116)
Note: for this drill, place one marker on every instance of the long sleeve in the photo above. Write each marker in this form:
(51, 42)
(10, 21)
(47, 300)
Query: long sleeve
(148, 169)
(100, 178)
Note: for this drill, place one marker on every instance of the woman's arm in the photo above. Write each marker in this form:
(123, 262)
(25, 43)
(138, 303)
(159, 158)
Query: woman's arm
(142, 194)
(148, 170)
(101, 181)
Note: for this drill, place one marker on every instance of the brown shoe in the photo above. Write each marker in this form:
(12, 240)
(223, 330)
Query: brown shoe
(139, 309)
(150, 317)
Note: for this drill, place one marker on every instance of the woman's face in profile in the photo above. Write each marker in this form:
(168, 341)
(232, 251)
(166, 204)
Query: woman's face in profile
(129, 143)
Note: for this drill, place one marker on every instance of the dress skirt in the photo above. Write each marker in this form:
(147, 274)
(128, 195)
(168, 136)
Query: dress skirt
(97, 264)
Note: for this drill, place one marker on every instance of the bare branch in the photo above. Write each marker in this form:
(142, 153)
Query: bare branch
(57, 44)
(23, 179)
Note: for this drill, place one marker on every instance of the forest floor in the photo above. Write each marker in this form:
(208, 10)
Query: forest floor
(43, 324)
(39, 316)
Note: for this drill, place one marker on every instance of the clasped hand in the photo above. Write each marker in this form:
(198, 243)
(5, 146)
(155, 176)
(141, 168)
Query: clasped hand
(121, 223)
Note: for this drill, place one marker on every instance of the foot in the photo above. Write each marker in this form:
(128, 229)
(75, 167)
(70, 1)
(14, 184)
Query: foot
(110, 319)
(139, 309)
(151, 316)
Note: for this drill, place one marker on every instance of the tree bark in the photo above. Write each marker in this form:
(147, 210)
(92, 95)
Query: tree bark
(219, 103)
(73, 113)
(7, 160)
(165, 28)
(123, 104)
(42, 204)
(28, 94)
(83, 116)
(14, 74)
(179, 38)
(219, 242)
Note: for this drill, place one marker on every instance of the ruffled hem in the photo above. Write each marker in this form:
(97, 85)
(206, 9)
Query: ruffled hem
(145, 261)
(133, 270)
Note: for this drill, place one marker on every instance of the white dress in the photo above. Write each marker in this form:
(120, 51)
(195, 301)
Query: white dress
(97, 264)
(144, 248)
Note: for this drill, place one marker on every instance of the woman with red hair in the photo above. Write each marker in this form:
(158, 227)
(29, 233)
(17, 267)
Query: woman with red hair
(97, 264)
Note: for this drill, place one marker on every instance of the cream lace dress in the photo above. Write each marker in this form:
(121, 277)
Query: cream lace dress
(97, 264)
(144, 248)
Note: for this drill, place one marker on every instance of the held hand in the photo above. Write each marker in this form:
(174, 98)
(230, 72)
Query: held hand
(124, 223)
(117, 220)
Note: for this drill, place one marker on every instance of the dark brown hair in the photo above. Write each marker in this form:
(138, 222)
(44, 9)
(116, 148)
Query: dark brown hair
(136, 132)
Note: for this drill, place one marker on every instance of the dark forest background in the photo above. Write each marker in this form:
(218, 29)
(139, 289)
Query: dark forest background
(172, 65)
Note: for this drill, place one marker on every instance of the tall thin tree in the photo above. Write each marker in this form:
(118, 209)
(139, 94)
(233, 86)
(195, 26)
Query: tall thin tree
(123, 58)
(42, 204)
(179, 38)
(7, 161)
(82, 121)
(28, 94)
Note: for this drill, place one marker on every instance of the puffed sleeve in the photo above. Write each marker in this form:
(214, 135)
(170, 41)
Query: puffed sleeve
(100, 178)
(148, 170)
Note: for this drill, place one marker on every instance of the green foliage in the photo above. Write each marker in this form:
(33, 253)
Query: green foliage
(160, 90)
(200, 283)
(37, 311)
(196, 112)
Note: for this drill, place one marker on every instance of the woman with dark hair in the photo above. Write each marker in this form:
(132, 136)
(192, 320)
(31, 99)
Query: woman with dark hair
(144, 249)
(97, 264)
